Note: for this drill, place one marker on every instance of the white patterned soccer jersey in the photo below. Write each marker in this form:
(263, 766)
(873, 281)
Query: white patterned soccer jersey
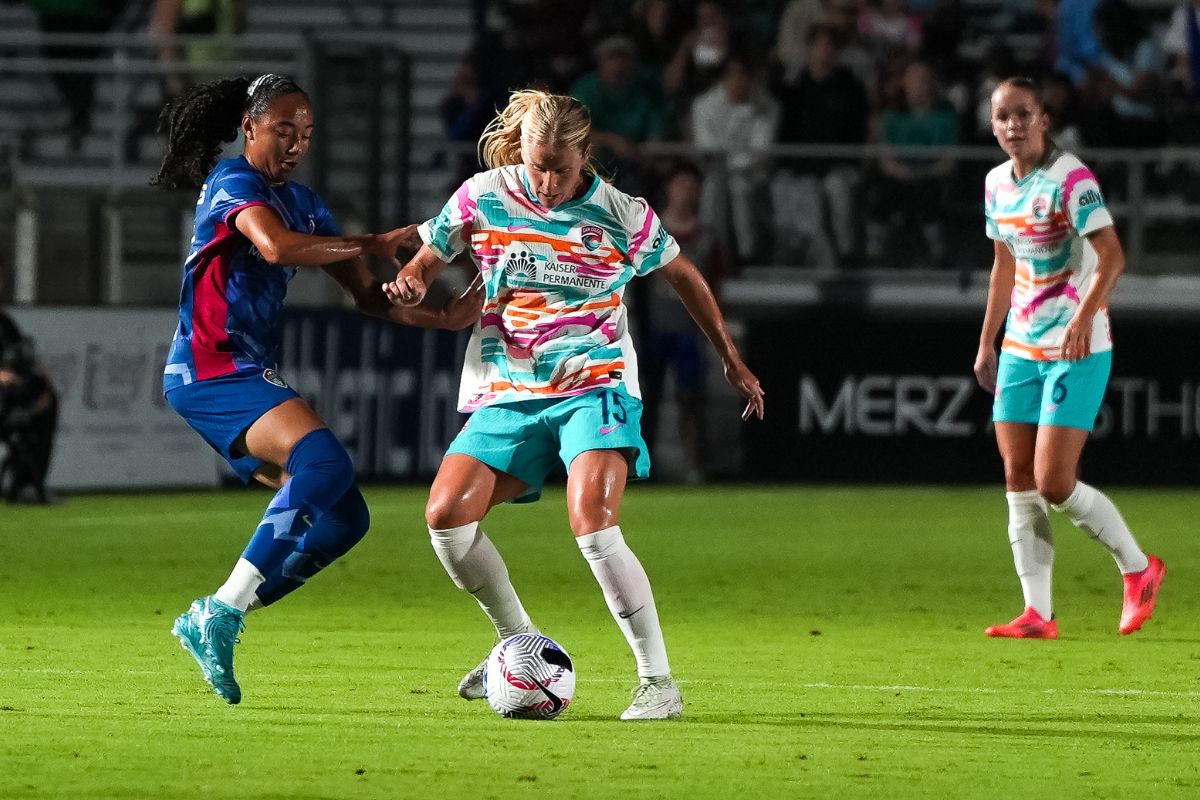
(1044, 218)
(553, 323)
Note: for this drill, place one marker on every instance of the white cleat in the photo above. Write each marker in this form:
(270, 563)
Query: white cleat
(656, 699)
(471, 686)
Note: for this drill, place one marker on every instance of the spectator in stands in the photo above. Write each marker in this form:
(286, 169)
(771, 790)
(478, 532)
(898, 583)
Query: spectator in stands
(670, 341)
(797, 20)
(169, 18)
(1061, 104)
(1182, 45)
(76, 88)
(813, 197)
(842, 17)
(626, 103)
(699, 61)
(657, 29)
(943, 28)
(182, 17)
(465, 112)
(890, 27)
(737, 116)
(28, 417)
(1130, 85)
(1079, 51)
(914, 188)
(547, 36)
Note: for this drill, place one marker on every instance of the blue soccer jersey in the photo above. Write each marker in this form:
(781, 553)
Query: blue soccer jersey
(231, 297)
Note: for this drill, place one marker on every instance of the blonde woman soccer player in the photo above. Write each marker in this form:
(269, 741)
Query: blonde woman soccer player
(550, 371)
(1057, 258)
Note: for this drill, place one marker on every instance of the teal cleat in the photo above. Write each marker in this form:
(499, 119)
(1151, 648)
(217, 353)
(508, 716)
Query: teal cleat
(208, 631)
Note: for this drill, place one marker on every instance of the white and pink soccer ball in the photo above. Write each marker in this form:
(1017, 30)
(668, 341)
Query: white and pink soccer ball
(529, 676)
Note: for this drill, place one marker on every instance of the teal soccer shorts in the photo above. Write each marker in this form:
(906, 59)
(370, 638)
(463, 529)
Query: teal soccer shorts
(1063, 393)
(525, 439)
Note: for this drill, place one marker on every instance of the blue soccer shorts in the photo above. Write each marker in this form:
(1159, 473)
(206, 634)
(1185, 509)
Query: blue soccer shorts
(222, 409)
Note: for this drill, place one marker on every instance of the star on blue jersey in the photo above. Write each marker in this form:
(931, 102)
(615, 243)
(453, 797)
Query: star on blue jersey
(231, 297)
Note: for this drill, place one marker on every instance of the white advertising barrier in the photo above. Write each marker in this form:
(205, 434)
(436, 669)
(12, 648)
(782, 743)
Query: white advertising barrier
(115, 431)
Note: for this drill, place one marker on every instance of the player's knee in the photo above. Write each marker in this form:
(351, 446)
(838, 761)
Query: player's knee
(1055, 488)
(588, 517)
(1019, 477)
(320, 453)
(357, 514)
(444, 511)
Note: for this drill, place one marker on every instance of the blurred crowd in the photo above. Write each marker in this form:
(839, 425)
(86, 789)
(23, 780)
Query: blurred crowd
(742, 75)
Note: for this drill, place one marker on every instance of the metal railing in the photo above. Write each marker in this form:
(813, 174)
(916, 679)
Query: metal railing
(1143, 196)
(1138, 191)
(377, 182)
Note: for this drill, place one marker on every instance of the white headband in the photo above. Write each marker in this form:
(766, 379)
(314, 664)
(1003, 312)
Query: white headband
(258, 82)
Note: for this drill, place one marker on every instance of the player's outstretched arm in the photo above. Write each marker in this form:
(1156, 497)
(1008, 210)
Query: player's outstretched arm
(355, 276)
(412, 281)
(1000, 286)
(698, 299)
(278, 244)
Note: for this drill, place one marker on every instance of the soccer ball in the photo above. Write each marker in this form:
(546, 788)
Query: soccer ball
(528, 676)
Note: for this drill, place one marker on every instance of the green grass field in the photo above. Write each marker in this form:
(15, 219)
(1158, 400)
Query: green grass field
(828, 641)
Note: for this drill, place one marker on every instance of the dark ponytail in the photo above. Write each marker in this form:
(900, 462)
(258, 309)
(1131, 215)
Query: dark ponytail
(203, 116)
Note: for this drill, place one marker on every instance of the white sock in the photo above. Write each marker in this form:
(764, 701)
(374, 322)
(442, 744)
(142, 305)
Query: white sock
(1033, 548)
(1098, 517)
(475, 566)
(627, 592)
(238, 590)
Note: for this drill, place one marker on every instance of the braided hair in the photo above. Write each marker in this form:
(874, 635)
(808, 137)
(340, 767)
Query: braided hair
(203, 116)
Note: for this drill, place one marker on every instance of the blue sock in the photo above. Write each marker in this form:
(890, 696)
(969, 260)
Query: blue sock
(321, 472)
(330, 538)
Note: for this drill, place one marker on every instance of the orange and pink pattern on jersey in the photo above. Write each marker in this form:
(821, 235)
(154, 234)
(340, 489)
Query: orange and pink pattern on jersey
(1044, 219)
(554, 323)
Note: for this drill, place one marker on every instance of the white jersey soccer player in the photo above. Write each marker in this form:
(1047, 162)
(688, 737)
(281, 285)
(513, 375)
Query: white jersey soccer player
(551, 374)
(1057, 258)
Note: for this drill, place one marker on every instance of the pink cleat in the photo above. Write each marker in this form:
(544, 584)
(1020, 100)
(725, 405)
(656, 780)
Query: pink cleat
(1141, 593)
(1029, 625)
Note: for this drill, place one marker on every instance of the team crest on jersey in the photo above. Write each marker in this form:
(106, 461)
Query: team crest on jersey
(312, 224)
(519, 267)
(591, 235)
(1041, 207)
(272, 377)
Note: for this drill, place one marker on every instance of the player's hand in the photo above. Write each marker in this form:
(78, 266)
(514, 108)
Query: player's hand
(406, 238)
(985, 369)
(1077, 340)
(744, 381)
(462, 310)
(406, 290)
(385, 245)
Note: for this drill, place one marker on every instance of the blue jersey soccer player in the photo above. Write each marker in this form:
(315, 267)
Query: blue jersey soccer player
(253, 228)
(1057, 258)
(550, 373)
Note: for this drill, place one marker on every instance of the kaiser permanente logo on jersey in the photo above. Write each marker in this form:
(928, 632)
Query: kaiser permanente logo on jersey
(523, 268)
